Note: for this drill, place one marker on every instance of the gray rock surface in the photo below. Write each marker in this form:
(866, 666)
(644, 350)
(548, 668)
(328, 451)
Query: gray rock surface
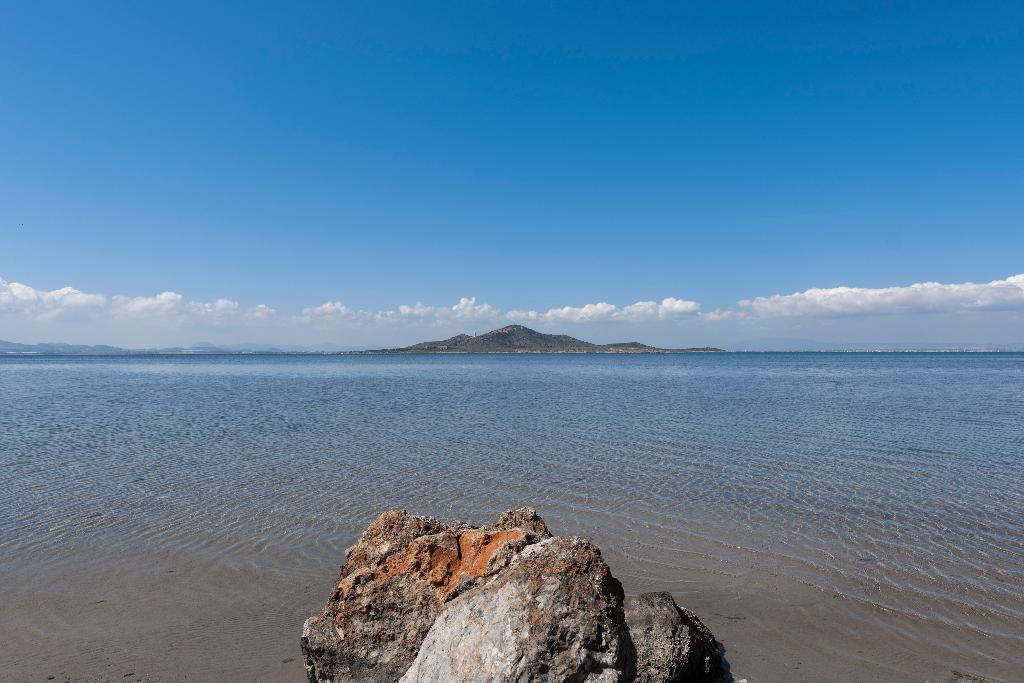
(672, 645)
(554, 614)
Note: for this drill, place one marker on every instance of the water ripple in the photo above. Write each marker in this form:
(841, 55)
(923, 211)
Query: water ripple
(892, 481)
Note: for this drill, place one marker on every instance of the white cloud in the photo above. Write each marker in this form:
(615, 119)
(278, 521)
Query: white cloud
(718, 314)
(166, 307)
(330, 310)
(576, 314)
(45, 305)
(171, 307)
(161, 304)
(923, 297)
(640, 311)
(417, 310)
(467, 309)
(260, 312)
(671, 307)
(215, 309)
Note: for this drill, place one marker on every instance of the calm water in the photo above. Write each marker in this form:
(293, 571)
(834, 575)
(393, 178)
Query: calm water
(892, 482)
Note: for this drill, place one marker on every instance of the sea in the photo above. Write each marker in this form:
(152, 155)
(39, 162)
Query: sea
(852, 515)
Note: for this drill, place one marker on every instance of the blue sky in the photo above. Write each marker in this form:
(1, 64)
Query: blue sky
(530, 156)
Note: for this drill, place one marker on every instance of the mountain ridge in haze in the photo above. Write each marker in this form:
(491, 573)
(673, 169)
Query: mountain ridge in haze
(199, 348)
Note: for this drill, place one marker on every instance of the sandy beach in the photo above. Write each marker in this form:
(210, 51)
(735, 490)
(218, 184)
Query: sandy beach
(153, 616)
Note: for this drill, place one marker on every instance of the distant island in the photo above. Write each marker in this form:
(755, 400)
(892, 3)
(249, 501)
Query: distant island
(520, 339)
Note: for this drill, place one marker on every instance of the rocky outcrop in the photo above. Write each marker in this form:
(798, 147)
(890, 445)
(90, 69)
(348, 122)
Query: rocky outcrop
(672, 644)
(395, 581)
(418, 600)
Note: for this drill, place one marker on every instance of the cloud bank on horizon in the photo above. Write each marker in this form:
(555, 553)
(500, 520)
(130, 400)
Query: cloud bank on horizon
(171, 310)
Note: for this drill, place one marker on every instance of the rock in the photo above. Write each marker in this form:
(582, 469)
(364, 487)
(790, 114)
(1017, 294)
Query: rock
(554, 614)
(394, 582)
(672, 645)
(419, 600)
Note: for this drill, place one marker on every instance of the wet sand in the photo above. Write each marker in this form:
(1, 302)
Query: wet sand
(149, 615)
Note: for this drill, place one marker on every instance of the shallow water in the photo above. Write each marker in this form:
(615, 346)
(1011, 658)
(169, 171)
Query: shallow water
(859, 511)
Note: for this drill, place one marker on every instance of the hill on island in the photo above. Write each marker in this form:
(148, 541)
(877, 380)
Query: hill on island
(520, 339)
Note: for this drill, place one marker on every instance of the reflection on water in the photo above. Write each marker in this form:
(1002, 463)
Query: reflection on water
(892, 480)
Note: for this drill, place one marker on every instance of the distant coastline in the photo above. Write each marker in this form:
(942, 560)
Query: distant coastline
(469, 344)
